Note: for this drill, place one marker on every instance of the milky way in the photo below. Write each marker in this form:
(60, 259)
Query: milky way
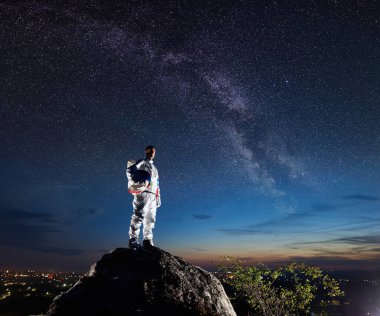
(264, 117)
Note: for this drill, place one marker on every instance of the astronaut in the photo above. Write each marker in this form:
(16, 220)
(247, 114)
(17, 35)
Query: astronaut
(146, 199)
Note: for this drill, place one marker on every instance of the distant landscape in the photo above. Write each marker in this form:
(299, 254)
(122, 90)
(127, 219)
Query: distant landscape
(31, 292)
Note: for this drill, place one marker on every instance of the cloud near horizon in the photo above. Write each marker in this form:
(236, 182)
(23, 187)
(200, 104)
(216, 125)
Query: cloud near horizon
(62, 251)
(353, 240)
(361, 197)
(201, 216)
(31, 230)
(25, 228)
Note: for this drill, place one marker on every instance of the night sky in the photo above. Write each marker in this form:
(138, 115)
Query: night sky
(265, 116)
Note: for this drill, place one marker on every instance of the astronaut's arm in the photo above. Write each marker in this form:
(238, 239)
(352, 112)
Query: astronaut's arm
(158, 195)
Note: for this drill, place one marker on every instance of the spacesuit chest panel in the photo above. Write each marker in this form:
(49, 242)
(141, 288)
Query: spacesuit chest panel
(149, 167)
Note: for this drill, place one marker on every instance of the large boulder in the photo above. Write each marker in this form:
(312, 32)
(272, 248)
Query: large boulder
(148, 282)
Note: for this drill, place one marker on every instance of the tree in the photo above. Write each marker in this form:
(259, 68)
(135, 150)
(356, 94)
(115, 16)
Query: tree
(287, 290)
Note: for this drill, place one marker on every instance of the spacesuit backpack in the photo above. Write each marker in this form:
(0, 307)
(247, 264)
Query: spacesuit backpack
(138, 180)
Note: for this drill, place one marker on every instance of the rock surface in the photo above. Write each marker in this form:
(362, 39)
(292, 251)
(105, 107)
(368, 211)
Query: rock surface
(147, 282)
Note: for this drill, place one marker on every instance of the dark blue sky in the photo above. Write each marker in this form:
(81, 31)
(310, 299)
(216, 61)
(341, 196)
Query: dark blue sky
(265, 118)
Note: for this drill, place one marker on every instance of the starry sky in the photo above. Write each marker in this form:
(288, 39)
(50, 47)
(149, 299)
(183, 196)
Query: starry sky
(265, 116)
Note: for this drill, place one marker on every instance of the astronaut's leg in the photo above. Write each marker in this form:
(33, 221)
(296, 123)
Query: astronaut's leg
(139, 208)
(149, 220)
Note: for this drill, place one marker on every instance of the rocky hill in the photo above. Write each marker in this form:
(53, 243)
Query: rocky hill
(146, 282)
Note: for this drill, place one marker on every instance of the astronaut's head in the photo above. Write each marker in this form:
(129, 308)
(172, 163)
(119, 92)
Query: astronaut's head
(150, 152)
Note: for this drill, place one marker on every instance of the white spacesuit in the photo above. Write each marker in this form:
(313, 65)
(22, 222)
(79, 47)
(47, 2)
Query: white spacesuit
(145, 205)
